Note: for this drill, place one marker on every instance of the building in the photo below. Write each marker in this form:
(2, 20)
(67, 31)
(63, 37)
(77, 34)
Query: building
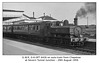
(48, 18)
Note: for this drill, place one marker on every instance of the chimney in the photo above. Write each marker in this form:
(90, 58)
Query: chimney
(50, 15)
(87, 21)
(44, 14)
(33, 14)
(75, 20)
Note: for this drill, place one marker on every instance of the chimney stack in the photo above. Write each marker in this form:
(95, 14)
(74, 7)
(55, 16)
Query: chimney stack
(75, 20)
(50, 15)
(44, 14)
(33, 14)
(87, 21)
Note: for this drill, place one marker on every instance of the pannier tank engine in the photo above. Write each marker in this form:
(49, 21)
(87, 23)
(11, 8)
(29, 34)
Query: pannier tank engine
(69, 35)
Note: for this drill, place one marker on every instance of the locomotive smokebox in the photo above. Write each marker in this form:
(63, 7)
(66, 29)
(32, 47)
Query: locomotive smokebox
(75, 20)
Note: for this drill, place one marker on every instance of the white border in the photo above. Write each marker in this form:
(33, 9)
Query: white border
(84, 59)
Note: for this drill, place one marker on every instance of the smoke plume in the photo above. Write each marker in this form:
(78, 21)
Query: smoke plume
(88, 8)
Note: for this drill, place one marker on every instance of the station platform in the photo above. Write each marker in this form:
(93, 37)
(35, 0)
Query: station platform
(11, 47)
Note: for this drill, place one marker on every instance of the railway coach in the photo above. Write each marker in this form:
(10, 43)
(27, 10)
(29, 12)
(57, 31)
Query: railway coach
(44, 31)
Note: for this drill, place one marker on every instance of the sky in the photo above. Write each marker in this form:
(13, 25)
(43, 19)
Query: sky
(59, 11)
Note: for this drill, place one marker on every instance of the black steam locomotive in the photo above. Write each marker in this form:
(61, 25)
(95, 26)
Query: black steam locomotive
(46, 32)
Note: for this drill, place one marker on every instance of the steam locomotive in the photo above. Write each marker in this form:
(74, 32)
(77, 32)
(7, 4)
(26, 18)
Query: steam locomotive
(46, 32)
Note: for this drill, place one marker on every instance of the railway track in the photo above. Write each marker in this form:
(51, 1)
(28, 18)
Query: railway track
(59, 47)
(86, 50)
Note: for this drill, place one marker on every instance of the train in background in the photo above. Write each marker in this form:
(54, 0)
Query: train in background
(48, 32)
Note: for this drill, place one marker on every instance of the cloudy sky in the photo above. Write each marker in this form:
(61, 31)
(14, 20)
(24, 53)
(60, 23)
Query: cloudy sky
(60, 11)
